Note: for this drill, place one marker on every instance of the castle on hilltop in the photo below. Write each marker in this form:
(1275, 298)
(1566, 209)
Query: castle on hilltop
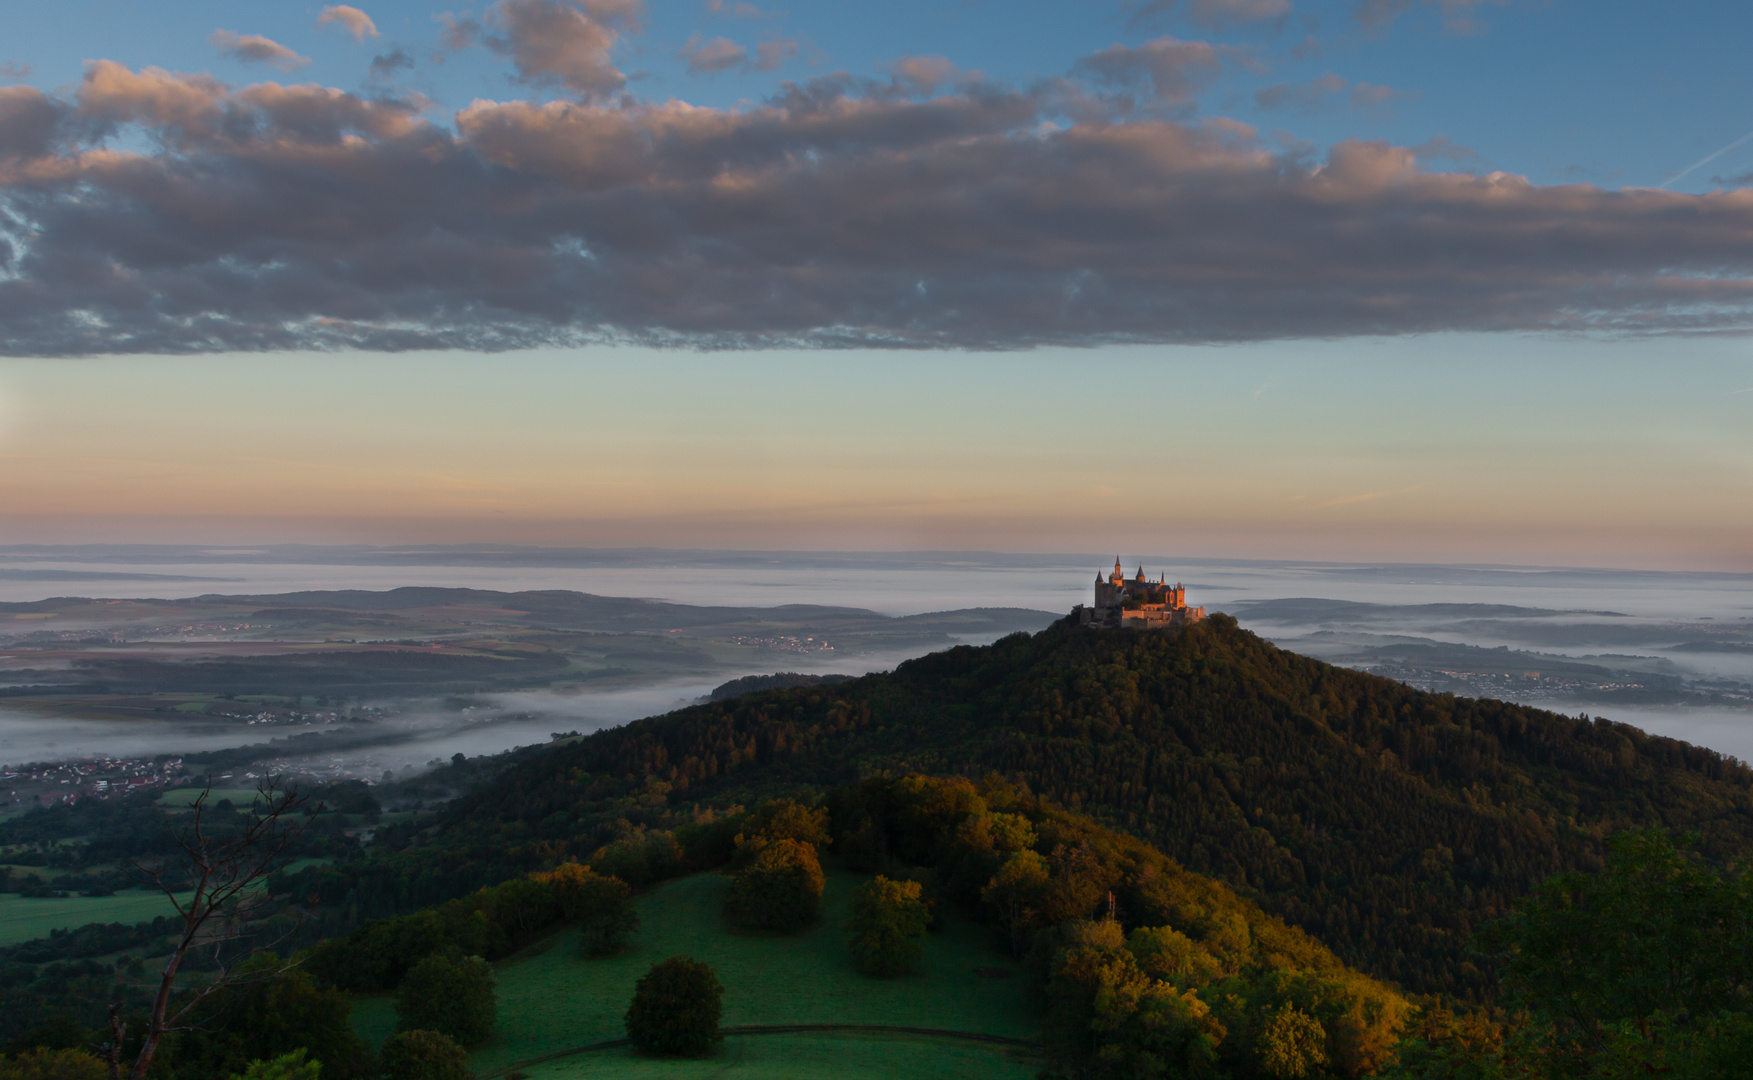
(1137, 604)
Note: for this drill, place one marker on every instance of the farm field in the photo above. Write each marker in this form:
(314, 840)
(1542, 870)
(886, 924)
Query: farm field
(22, 919)
(551, 999)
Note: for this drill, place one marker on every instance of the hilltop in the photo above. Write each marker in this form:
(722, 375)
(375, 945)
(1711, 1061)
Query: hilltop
(1386, 821)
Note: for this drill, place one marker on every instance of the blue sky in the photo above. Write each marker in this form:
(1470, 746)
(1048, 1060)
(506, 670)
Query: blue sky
(1382, 279)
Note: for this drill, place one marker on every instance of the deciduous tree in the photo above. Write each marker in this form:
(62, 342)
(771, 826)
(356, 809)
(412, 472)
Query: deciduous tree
(675, 1009)
(454, 996)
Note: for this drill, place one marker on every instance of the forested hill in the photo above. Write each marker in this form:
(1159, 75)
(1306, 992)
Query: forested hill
(1386, 821)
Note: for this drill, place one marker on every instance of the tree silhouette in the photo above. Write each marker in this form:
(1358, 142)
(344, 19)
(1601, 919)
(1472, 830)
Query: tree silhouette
(215, 882)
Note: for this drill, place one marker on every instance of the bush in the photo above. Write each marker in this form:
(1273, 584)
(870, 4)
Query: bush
(887, 917)
(675, 1009)
(780, 889)
(45, 1064)
(291, 1066)
(424, 1055)
(452, 996)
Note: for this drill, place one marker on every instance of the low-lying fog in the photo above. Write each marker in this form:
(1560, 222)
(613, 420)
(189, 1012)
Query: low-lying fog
(1669, 652)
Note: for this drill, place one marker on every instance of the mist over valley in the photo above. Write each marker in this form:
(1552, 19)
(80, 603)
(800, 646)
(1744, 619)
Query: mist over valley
(367, 665)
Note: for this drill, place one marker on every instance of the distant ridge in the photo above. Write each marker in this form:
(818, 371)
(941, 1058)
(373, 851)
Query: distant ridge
(779, 680)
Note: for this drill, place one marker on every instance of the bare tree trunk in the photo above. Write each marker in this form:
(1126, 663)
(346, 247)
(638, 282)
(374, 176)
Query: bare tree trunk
(228, 874)
(112, 1050)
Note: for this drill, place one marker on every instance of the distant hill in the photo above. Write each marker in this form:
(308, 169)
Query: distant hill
(1386, 821)
(781, 680)
(426, 641)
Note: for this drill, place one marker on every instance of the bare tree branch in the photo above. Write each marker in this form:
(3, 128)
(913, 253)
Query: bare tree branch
(227, 872)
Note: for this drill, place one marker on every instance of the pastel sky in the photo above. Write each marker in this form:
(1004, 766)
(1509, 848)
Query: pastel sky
(1389, 279)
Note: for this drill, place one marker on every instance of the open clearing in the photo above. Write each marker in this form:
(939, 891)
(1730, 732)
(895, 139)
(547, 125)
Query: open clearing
(551, 999)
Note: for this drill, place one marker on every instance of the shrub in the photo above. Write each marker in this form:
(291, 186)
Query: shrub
(780, 889)
(292, 1066)
(887, 917)
(452, 996)
(424, 1055)
(675, 1009)
(45, 1064)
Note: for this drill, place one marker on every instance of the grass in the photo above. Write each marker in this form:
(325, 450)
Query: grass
(552, 999)
(806, 1057)
(23, 920)
(241, 798)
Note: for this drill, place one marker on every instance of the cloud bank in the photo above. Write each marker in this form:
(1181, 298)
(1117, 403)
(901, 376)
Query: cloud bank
(149, 211)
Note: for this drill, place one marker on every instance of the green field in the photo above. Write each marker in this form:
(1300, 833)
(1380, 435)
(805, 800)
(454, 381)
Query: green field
(807, 1057)
(22, 920)
(551, 999)
(240, 797)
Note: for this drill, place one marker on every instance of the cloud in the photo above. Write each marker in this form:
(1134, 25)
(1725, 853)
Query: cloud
(11, 69)
(1458, 16)
(151, 212)
(1215, 14)
(774, 52)
(351, 19)
(1223, 13)
(553, 42)
(256, 49)
(740, 10)
(1310, 95)
(1172, 71)
(29, 122)
(1368, 496)
(923, 75)
(722, 54)
(385, 65)
(1375, 96)
(719, 54)
(1443, 148)
(1327, 90)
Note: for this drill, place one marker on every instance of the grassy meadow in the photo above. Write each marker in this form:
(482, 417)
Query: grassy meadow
(23, 920)
(552, 999)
